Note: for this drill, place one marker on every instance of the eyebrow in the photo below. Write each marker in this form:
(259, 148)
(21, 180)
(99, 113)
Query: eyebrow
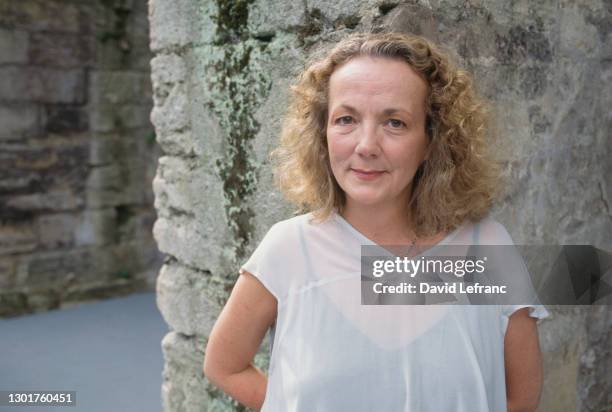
(387, 111)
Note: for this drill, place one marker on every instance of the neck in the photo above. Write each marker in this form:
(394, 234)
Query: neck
(389, 224)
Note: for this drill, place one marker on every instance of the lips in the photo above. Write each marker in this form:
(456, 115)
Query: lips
(365, 174)
(365, 171)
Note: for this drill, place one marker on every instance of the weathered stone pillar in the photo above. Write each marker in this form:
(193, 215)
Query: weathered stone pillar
(221, 72)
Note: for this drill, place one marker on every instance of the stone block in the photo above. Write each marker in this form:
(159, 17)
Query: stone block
(54, 200)
(102, 147)
(13, 46)
(8, 271)
(139, 27)
(56, 231)
(33, 158)
(286, 15)
(133, 116)
(106, 178)
(172, 114)
(117, 183)
(17, 238)
(185, 27)
(81, 267)
(71, 167)
(43, 300)
(65, 119)
(166, 71)
(175, 236)
(177, 188)
(97, 199)
(109, 56)
(100, 291)
(116, 148)
(129, 259)
(43, 15)
(95, 227)
(13, 303)
(57, 268)
(134, 223)
(39, 168)
(104, 266)
(150, 275)
(60, 50)
(184, 384)
(178, 144)
(42, 85)
(144, 252)
(20, 120)
(135, 54)
(24, 183)
(108, 117)
(186, 217)
(105, 119)
(128, 222)
(118, 87)
(185, 301)
(140, 54)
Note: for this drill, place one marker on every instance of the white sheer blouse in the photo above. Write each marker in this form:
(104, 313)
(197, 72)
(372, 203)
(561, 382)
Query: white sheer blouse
(329, 353)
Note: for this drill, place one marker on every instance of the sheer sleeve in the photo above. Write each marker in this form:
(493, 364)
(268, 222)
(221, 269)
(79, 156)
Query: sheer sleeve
(515, 274)
(266, 261)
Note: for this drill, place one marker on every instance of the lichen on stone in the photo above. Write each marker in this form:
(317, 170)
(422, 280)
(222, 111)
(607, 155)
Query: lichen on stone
(236, 86)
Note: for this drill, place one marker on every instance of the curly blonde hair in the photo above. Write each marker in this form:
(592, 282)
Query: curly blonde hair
(459, 179)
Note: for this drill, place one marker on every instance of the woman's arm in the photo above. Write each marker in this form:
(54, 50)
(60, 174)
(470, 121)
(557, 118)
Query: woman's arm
(523, 362)
(235, 339)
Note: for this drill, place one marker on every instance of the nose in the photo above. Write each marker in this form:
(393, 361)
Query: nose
(368, 144)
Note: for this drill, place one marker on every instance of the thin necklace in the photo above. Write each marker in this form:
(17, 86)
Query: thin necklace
(412, 244)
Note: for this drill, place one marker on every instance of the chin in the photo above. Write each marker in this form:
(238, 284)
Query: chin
(363, 200)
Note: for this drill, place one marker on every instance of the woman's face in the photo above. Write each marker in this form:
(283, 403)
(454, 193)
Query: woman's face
(376, 130)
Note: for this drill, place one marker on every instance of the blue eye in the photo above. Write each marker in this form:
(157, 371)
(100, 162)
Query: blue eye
(339, 119)
(397, 123)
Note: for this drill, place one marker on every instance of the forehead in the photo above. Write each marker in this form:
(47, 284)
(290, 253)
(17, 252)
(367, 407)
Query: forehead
(377, 80)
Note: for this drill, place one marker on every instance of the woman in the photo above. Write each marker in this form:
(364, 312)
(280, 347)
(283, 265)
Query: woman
(383, 144)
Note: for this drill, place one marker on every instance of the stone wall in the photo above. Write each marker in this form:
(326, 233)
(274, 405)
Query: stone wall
(77, 153)
(221, 72)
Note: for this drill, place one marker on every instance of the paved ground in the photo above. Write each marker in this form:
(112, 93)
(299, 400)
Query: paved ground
(108, 352)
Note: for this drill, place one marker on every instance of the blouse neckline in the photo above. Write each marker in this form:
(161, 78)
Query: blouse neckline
(363, 238)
